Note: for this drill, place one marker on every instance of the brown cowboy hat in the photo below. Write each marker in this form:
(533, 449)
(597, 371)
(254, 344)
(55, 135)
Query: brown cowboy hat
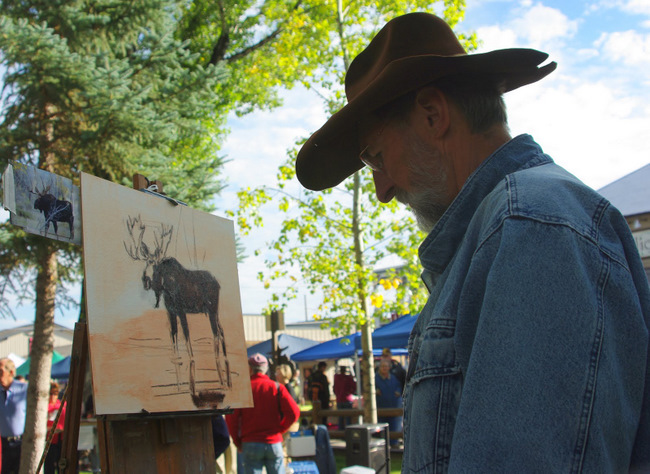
(409, 52)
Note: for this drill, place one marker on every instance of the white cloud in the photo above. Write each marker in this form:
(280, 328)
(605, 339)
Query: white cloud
(495, 37)
(589, 128)
(535, 26)
(641, 7)
(541, 24)
(629, 47)
(587, 53)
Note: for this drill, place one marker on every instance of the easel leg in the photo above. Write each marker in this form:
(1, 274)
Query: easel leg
(69, 457)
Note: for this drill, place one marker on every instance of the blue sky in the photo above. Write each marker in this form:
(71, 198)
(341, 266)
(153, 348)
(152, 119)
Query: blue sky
(592, 115)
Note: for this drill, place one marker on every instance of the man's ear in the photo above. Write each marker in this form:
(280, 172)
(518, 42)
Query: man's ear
(432, 111)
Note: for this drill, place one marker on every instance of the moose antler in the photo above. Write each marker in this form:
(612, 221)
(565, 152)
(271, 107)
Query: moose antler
(138, 247)
(138, 250)
(46, 189)
(163, 240)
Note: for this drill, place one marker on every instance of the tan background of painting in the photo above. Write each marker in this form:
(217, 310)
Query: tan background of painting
(130, 346)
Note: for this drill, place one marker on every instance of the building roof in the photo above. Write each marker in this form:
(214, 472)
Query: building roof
(631, 193)
(255, 329)
(29, 329)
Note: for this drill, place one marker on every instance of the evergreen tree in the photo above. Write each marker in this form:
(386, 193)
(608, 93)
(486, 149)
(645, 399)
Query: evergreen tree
(100, 86)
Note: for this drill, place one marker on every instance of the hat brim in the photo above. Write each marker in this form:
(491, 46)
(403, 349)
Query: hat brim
(331, 154)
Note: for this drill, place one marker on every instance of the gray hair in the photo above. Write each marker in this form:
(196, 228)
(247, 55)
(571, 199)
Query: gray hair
(9, 364)
(479, 100)
(259, 369)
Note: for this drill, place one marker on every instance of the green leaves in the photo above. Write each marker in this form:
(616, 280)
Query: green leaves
(105, 87)
(335, 240)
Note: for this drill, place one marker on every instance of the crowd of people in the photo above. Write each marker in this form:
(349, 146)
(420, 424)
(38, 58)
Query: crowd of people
(13, 408)
(390, 377)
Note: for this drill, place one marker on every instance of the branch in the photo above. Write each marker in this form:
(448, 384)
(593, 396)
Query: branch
(307, 205)
(219, 51)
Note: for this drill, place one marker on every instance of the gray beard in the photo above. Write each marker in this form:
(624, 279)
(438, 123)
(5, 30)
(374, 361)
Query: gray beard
(429, 198)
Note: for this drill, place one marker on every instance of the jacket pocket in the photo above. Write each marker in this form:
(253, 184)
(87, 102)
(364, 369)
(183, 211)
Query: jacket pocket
(432, 398)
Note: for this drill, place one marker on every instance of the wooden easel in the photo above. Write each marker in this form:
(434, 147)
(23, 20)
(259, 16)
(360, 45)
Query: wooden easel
(169, 443)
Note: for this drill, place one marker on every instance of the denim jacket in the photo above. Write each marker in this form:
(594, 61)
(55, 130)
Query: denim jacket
(531, 354)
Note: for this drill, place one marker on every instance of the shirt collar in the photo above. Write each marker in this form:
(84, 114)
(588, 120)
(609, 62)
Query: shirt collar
(441, 244)
(258, 375)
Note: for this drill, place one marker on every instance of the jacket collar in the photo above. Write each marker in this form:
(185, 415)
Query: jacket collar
(437, 250)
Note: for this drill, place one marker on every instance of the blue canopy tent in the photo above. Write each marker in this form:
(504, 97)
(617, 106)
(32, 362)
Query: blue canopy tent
(24, 368)
(290, 344)
(61, 370)
(394, 335)
(338, 348)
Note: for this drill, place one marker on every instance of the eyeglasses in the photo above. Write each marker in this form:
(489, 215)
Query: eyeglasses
(374, 162)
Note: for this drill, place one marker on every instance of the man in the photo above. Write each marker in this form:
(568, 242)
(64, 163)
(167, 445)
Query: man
(395, 367)
(389, 395)
(257, 432)
(319, 387)
(531, 354)
(345, 388)
(13, 407)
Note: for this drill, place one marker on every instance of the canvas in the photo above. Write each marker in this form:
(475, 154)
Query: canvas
(164, 311)
(42, 203)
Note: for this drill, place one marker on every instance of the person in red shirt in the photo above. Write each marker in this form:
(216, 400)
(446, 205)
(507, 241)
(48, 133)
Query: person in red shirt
(54, 453)
(345, 388)
(257, 431)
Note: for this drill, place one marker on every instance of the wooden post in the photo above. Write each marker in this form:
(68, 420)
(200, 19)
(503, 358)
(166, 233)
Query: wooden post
(141, 182)
(275, 323)
(69, 457)
(317, 418)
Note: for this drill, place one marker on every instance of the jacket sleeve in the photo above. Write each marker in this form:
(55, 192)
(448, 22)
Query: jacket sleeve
(233, 421)
(290, 410)
(220, 437)
(548, 336)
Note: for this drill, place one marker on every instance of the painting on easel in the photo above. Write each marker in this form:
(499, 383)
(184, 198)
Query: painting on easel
(164, 312)
(42, 203)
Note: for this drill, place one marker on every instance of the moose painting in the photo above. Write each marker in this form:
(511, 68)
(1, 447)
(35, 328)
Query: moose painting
(54, 210)
(40, 202)
(165, 325)
(184, 292)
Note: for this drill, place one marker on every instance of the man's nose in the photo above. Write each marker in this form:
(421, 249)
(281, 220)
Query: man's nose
(384, 187)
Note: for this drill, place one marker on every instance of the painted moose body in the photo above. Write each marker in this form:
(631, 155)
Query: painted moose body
(55, 210)
(183, 292)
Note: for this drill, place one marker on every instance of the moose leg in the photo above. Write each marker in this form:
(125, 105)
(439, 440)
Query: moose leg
(71, 222)
(56, 228)
(219, 339)
(188, 343)
(173, 332)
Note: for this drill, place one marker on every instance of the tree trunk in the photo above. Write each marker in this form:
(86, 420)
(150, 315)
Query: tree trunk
(40, 368)
(367, 359)
(368, 368)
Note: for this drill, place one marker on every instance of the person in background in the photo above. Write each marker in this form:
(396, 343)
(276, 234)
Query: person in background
(395, 367)
(54, 453)
(344, 389)
(389, 395)
(13, 408)
(319, 386)
(531, 353)
(257, 431)
(283, 375)
(220, 440)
